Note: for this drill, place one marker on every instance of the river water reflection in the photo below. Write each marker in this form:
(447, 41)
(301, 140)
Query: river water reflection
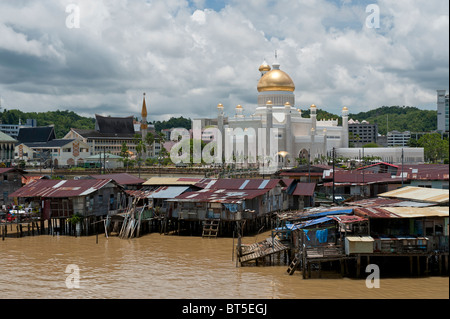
(158, 266)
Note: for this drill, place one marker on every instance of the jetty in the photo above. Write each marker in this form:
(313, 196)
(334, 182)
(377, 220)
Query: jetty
(257, 252)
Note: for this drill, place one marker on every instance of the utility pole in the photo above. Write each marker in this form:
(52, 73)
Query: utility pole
(402, 167)
(333, 172)
(309, 166)
(364, 161)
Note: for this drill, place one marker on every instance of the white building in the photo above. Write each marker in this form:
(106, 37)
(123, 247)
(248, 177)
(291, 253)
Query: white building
(396, 138)
(442, 111)
(107, 161)
(386, 154)
(56, 152)
(298, 136)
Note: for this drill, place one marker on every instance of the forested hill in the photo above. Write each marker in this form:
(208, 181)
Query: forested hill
(399, 118)
(63, 120)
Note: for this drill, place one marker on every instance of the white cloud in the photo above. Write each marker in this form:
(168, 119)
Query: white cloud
(188, 59)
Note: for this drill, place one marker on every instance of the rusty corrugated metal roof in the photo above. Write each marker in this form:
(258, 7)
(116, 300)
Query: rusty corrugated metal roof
(121, 178)
(219, 195)
(304, 189)
(165, 181)
(402, 212)
(374, 212)
(425, 171)
(412, 212)
(432, 195)
(60, 188)
(239, 183)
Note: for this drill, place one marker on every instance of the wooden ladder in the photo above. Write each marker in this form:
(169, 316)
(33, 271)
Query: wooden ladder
(211, 228)
(293, 266)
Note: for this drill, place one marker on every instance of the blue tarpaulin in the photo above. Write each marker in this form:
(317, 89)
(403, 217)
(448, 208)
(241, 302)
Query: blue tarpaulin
(331, 212)
(314, 222)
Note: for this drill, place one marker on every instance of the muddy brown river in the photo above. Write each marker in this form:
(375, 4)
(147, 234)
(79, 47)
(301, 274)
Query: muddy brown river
(158, 266)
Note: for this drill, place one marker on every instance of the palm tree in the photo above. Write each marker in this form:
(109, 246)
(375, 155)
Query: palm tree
(140, 149)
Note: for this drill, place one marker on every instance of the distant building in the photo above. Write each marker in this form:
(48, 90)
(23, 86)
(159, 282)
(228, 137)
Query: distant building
(382, 140)
(6, 148)
(393, 155)
(13, 129)
(108, 136)
(40, 134)
(54, 153)
(111, 132)
(108, 161)
(396, 138)
(361, 133)
(442, 111)
(40, 145)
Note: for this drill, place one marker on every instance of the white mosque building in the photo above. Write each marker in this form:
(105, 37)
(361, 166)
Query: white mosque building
(297, 136)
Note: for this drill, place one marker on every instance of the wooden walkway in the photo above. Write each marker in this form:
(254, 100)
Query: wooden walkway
(261, 249)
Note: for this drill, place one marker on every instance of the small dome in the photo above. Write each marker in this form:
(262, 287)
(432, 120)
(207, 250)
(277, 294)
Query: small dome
(239, 106)
(344, 108)
(269, 102)
(313, 106)
(264, 67)
(220, 105)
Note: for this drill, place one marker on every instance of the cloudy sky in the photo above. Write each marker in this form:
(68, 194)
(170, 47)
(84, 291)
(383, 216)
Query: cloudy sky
(188, 56)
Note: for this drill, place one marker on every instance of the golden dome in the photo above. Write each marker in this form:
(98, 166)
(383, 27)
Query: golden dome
(276, 80)
(239, 106)
(313, 106)
(220, 105)
(344, 108)
(264, 67)
(269, 102)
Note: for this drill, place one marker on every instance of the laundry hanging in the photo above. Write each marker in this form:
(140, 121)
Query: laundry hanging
(322, 235)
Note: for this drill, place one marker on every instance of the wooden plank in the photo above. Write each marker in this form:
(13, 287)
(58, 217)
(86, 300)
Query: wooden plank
(262, 249)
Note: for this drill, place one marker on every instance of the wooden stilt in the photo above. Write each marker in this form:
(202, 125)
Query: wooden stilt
(358, 266)
(418, 265)
(446, 263)
(411, 265)
(440, 264)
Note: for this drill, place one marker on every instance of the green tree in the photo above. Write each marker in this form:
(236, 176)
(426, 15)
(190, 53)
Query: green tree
(435, 148)
(125, 154)
(141, 149)
(371, 145)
